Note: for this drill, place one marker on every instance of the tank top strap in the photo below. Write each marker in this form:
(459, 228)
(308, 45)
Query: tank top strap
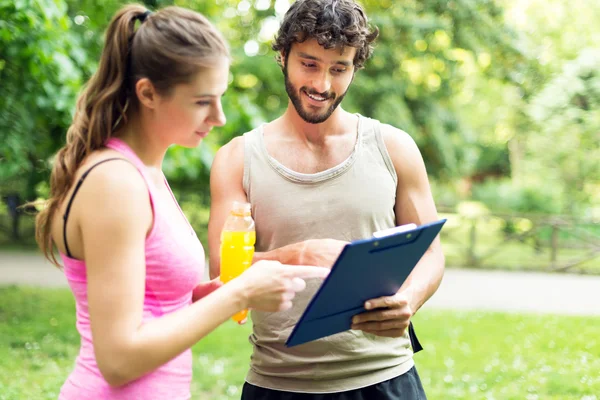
(251, 150)
(373, 139)
(72, 198)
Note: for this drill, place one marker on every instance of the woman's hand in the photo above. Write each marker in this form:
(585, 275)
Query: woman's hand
(271, 286)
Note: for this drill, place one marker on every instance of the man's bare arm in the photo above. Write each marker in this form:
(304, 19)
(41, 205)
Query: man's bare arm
(415, 204)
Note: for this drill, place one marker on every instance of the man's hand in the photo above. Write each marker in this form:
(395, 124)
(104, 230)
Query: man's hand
(390, 316)
(320, 252)
(206, 288)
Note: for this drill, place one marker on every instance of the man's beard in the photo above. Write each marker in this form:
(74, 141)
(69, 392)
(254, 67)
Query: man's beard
(306, 115)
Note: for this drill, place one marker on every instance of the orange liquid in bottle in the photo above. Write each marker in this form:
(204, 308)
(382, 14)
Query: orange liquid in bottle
(237, 249)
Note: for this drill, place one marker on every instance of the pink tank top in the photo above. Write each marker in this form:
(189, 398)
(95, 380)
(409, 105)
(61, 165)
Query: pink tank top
(174, 266)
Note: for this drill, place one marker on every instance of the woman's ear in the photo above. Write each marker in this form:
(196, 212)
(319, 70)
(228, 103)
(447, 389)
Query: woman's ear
(146, 93)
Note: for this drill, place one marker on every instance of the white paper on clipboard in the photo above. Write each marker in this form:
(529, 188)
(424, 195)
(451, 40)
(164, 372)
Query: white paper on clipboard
(396, 229)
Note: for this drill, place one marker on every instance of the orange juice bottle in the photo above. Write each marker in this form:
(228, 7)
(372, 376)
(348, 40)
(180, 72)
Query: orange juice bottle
(237, 246)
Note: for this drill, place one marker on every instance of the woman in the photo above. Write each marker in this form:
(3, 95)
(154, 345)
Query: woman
(130, 256)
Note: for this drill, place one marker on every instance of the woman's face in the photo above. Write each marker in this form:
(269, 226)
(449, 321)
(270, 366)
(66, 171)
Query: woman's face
(189, 112)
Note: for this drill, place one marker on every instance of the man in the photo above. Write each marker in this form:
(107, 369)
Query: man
(318, 177)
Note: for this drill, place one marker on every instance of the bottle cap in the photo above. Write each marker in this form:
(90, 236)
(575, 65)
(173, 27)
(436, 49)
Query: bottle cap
(241, 208)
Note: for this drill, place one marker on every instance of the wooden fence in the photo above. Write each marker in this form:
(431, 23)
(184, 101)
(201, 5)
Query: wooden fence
(520, 241)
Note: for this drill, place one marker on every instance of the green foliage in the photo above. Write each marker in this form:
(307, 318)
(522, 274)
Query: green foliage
(544, 152)
(41, 63)
(506, 196)
(566, 115)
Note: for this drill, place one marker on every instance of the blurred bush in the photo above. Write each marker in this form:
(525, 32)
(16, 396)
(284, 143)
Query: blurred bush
(503, 195)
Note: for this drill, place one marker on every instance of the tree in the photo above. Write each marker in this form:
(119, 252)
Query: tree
(568, 123)
(552, 32)
(40, 74)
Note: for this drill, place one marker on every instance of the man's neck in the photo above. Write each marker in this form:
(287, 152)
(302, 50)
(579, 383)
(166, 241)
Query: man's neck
(339, 123)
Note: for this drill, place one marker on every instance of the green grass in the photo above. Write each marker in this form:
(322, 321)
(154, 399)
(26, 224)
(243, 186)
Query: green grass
(468, 355)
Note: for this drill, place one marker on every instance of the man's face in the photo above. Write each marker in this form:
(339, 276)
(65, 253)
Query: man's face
(317, 79)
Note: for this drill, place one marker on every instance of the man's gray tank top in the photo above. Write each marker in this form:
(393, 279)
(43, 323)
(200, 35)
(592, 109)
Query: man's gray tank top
(347, 202)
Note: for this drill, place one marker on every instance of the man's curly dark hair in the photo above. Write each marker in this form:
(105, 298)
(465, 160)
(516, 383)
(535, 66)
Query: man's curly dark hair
(333, 23)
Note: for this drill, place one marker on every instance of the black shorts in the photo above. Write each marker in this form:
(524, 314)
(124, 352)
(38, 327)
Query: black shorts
(406, 387)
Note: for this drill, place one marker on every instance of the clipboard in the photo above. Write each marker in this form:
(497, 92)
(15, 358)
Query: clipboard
(365, 269)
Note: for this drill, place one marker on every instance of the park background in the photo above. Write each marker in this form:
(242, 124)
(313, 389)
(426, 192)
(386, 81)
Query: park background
(503, 99)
